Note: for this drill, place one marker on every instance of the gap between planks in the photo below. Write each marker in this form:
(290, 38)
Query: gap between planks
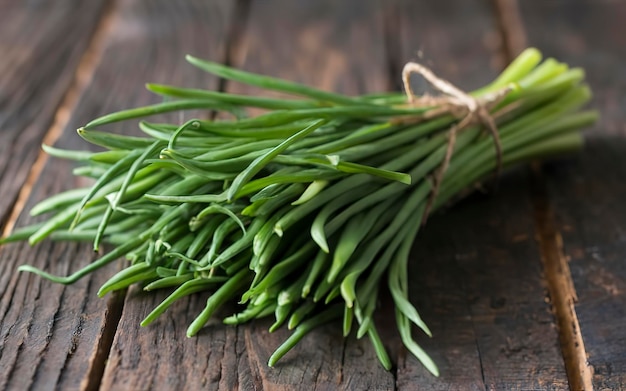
(235, 47)
(558, 277)
(560, 285)
(511, 28)
(115, 305)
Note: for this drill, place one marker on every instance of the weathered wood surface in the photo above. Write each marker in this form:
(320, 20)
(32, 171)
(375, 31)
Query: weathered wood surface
(587, 192)
(148, 42)
(477, 271)
(478, 284)
(59, 337)
(44, 340)
(40, 53)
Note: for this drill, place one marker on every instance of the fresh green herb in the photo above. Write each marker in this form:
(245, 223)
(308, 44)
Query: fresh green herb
(227, 206)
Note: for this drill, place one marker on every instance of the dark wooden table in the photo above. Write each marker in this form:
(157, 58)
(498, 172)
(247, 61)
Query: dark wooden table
(523, 289)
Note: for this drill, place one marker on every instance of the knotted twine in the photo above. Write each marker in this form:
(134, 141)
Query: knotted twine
(453, 101)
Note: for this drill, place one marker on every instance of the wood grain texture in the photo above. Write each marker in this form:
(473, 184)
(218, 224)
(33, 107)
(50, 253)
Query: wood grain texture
(338, 47)
(160, 357)
(587, 192)
(50, 335)
(478, 280)
(56, 337)
(457, 39)
(477, 271)
(41, 45)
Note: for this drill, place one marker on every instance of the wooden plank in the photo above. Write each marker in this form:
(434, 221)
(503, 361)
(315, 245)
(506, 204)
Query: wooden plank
(336, 46)
(37, 66)
(44, 341)
(57, 337)
(457, 39)
(586, 193)
(477, 272)
(160, 357)
(52, 336)
(479, 288)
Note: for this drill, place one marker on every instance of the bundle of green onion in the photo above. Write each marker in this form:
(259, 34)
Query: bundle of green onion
(304, 212)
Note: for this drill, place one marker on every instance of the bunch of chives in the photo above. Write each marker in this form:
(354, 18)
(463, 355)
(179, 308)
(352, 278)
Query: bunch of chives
(303, 213)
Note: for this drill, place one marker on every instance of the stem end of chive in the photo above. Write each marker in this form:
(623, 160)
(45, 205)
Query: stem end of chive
(347, 289)
(194, 327)
(272, 361)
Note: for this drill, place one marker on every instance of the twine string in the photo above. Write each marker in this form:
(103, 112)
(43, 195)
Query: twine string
(453, 101)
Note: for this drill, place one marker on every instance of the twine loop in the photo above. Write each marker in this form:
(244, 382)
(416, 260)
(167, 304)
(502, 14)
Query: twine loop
(453, 101)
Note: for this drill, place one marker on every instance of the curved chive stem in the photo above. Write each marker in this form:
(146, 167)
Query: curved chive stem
(260, 162)
(101, 262)
(224, 293)
(303, 329)
(270, 83)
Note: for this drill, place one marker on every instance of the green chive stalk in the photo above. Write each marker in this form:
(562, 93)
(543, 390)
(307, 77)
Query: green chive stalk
(303, 213)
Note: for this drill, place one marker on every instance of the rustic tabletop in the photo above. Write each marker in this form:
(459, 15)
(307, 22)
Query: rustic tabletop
(524, 288)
